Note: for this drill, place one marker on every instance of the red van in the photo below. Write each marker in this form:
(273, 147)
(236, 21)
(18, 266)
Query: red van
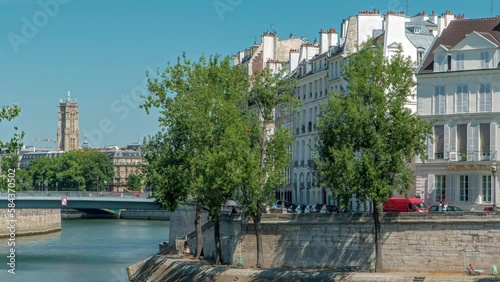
(405, 205)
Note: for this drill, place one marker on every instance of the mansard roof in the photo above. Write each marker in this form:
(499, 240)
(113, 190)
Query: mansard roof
(456, 31)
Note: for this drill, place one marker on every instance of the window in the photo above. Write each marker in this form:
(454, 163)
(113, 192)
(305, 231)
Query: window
(486, 188)
(462, 141)
(485, 60)
(459, 61)
(484, 141)
(485, 98)
(438, 142)
(416, 30)
(420, 56)
(439, 63)
(440, 100)
(462, 99)
(464, 188)
(440, 187)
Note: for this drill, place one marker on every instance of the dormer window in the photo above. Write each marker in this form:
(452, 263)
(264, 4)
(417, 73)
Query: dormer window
(420, 56)
(485, 60)
(416, 30)
(459, 61)
(440, 63)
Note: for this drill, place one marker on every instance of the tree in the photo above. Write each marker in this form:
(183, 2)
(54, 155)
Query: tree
(193, 157)
(267, 156)
(8, 113)
(367, 138)
(85, 170)
(134, 182)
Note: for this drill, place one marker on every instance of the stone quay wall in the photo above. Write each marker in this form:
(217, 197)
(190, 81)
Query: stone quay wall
(439, 242)
(31, 221)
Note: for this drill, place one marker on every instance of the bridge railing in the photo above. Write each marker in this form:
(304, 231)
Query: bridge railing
(78, 194)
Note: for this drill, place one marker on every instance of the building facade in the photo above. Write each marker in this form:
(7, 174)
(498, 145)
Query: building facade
(457, 91)
(68, 131)
(125, 162)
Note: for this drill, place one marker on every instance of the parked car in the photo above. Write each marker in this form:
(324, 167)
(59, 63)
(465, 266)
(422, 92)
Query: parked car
(292, 208)
(328, 209)
(404, 205)
(448, 209)
(278, 203)
(490, 208)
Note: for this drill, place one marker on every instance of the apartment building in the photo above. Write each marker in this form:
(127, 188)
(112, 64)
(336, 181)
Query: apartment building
(458, 86)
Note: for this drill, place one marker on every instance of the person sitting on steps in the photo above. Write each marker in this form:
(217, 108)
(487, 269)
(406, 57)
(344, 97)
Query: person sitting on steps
(187, 250)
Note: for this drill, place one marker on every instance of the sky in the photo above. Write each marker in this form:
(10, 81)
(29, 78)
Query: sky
(100, 50)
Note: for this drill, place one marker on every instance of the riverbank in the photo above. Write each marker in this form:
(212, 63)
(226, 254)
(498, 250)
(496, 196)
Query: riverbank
(179, 268)
(29, 222)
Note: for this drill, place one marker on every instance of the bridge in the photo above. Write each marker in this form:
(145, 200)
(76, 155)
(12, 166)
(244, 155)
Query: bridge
(78, 200)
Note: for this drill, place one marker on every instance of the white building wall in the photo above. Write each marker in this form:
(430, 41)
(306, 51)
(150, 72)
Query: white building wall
(269, 44)
(366, 25)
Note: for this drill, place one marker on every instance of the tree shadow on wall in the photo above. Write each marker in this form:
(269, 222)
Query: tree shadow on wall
(159, 268)
(325, 241)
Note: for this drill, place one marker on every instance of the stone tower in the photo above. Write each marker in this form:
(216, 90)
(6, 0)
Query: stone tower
(68, 131)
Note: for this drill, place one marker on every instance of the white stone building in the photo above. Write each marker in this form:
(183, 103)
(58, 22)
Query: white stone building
(320, 73)
(458, 90)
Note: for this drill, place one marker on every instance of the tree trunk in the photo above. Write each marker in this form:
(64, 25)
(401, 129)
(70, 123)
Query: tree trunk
(199, 231)
(378, 238)
(258, 235)
(218, 249)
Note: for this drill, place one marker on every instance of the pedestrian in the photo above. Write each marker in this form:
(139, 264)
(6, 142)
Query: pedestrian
(187, 250)
(440, 206)
(445, 207)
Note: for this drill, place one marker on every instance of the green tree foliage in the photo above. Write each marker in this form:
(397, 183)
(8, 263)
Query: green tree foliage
(267, 156)
(8, 113)
(193, 157)
(134, 182)
(85, 170)
(367, 138)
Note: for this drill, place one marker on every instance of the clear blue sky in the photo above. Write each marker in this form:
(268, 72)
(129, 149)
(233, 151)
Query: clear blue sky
(100, 50)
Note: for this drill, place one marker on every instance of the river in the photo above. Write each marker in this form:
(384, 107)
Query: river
(86, 250)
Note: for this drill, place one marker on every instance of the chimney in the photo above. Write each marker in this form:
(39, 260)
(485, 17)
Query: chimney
(333, 37)
(323, 41)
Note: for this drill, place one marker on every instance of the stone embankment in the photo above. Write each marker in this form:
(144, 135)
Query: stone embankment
(411, 242)
(31, 221)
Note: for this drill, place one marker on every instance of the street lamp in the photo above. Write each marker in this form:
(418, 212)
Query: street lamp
(57, 186)
(494, 173)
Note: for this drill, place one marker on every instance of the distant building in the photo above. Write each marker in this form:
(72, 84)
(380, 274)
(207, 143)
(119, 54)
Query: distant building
(27, 158)
(125, 162)
(68, 131)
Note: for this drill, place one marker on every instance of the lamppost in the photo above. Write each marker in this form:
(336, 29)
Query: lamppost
(45, 186)
(57, 186)
(494, 173)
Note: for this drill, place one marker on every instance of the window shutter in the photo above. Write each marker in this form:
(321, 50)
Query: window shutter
(431, 186)
(488, 98)
(475, 141)
(430, 147)
(446, 141)
(453, 138)
(470, 140)
(465, 95)
(493, 135)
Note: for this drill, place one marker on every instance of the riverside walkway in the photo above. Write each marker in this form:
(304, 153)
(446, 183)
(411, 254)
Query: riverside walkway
(179, 268)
